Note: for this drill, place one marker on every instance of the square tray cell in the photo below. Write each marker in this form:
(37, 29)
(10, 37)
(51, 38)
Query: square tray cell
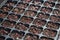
(11, 3)
(4, 31)
(5, 8)
(45, 38)
(49, 4)
(43, 16)
(55, 18)
(39, 22)
(22, 27)
(22, 5)
(30, 13)
(37, 2)
(26, 19)
(8, 23)
(57, 6)
(33, 7)
(56, 12)
(29, 36)
(17, 35)
(18, 11)
(26, 1)
(52, 25)
(2, 38)
(30, 19)
(13, 17)
(46, 10)
(34, 30)
(49, 32)
(3, 14)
